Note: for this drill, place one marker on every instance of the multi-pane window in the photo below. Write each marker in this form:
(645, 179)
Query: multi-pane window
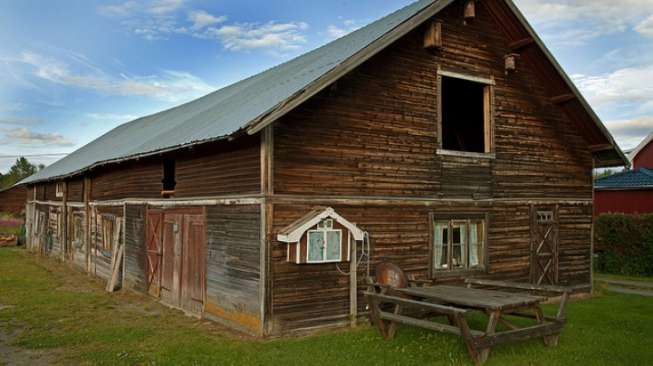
(458, 244)
(324, 243)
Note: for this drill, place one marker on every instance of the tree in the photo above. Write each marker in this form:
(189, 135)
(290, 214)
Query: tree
(21, 169)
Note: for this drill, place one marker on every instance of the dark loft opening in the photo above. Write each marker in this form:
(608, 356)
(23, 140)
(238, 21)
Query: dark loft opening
(463, 115)
(169, 175)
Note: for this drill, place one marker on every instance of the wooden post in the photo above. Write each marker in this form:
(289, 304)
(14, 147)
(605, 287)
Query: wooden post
(64, 222)
(87, 222)
(353, 282)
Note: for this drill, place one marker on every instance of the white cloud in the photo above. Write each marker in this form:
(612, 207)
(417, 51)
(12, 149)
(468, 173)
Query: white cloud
(632, 85)
(171, 85)
(347, 26)
(19, 121)
(629, 132)
(645, 27)
(26, 136)
(201, 19)
(160, 19)
(573, 22)
(248, 36)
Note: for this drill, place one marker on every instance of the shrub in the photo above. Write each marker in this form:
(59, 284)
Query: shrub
(624, 244)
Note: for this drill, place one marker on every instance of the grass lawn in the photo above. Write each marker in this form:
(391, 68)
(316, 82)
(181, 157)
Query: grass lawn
(51, 314)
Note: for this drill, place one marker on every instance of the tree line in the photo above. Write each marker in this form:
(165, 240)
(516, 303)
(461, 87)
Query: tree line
(21, 169)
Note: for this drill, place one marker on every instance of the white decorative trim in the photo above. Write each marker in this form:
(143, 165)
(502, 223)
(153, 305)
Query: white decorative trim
(466, 154)
(476, 79)
(296, 234)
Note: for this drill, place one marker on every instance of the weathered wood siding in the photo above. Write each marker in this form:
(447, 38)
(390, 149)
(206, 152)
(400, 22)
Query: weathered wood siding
(79, 247)
(232, 168)
(375, 134)
(208, 170)
(233, 268)
(13, 200)
(101, 259)
(135, 251)
(75, 190)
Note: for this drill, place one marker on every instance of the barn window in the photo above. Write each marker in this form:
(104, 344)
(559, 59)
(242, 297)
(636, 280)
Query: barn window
(59, 190)
(458, 244)
(168, 180)
(465, 113)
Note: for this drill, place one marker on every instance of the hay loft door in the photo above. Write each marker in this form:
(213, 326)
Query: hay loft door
(544, 245)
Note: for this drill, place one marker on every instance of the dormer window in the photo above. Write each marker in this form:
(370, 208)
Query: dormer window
(321, 236)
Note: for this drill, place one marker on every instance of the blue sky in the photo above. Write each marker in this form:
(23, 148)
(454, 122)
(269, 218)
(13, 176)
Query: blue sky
(72, 70)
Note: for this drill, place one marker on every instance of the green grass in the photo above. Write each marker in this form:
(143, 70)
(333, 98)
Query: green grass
(67, 315)
(609, 276)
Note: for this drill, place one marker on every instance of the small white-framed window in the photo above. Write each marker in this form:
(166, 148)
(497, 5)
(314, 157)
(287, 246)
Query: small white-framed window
(458, 244)
(59, 190)
(324, 244)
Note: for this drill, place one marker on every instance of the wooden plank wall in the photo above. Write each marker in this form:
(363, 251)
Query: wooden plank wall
(13, 200)
(233, 268)
(135, 251)
(101, 260)
(75, 190)
(204, 171)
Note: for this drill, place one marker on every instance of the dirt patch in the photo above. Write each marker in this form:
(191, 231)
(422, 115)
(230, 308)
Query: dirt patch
(10, 355)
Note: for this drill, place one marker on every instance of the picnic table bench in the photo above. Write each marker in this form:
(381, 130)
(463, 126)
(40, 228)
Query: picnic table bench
(389, 305)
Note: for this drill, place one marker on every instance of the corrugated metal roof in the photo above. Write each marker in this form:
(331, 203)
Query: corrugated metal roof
(631, 179)
(226, 111)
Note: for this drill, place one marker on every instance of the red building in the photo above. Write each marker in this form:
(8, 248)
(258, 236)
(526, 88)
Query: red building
(630, 191)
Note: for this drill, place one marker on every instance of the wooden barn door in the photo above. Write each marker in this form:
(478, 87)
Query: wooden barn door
(176, 255)
(171, 259)
(544, 245)
(154, 252)
(193, 277)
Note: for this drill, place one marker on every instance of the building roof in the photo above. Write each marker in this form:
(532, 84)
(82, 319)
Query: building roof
(633, 153)
(641, 178)
(251, 104)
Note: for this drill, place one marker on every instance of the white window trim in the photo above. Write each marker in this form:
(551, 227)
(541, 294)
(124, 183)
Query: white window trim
(326, 244)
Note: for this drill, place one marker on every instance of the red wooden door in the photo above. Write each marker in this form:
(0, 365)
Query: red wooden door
(193, 278)
(171, 259)
(154, 252)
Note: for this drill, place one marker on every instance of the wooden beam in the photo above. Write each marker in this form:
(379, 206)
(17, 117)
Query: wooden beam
(521, 44)
(600, 147)
(562, 99)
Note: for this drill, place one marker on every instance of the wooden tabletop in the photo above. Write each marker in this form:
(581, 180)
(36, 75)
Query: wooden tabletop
(473, 298)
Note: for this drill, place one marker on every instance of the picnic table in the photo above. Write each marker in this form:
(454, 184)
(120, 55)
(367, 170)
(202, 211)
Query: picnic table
(420, 306)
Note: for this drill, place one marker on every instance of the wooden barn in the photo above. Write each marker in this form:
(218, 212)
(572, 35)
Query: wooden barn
(444, 138)
(13, 199)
